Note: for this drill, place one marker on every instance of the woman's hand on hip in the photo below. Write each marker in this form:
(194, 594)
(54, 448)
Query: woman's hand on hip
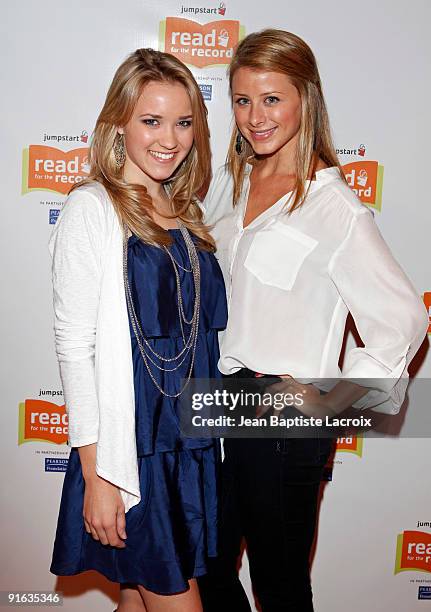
(313, 404)
(307, 397)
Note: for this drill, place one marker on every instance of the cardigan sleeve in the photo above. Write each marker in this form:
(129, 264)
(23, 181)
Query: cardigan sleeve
(76, 248)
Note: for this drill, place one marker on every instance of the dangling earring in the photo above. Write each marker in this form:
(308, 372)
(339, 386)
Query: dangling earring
(239, 143)
(119, 150)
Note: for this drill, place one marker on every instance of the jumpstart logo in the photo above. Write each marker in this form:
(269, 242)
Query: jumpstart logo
(360, 150)
(46, 168)
(42, 421)
(351, 444)
(82, 137)
(366, 180)
(427, 302)
(413, 552)
(200, 45)
(220, 10)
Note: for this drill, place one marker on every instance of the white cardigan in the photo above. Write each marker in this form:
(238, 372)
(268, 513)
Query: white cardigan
(92, 335)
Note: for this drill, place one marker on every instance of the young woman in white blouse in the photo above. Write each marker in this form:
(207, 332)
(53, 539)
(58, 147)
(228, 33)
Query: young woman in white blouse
(298, 251)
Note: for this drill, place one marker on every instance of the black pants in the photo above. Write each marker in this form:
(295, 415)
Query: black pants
(269, 495)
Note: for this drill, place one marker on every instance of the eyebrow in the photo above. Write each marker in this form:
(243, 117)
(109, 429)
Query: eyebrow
(161, 117)
(267, 93)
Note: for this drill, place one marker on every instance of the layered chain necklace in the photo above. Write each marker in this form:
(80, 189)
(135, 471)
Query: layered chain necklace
(149, 355)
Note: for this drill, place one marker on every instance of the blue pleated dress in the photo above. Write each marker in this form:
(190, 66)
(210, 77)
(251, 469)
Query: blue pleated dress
(172, 531)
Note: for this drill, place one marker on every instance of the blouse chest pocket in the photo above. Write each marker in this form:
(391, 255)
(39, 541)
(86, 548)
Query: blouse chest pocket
(277, 253)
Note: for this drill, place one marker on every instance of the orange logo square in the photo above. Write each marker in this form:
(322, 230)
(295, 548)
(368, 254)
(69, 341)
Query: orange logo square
(50, 169)
(200, 45)
(351, 444)
(413, 552)
(41, 421)
(366, 180)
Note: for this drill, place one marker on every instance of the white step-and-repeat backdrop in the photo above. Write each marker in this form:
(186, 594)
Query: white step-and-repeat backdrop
(374, 536)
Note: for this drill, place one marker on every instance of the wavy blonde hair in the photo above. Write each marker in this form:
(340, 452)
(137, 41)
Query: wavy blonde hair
(279, 51)
(131, 201)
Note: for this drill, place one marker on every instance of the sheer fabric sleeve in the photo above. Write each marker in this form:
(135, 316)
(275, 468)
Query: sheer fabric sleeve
(388, 313)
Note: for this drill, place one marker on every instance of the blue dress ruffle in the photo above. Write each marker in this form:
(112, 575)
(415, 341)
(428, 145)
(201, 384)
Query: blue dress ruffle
(172, 531)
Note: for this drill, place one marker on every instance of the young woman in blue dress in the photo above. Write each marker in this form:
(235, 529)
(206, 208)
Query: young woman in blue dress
(139, 299)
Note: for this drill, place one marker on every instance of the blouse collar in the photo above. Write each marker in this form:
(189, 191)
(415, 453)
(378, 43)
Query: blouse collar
(322, 177)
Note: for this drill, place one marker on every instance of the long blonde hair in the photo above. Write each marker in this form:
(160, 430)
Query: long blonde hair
(279, 51)
(131, 201)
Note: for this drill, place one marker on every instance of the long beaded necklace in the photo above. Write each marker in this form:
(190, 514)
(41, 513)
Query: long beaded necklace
(147, 351)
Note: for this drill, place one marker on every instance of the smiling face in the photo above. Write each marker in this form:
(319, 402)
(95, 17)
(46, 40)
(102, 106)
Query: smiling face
(267, 110)
(159, 135)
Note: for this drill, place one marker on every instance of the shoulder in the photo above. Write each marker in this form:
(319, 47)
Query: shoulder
(219, 199)
(332, 210)
(87, 211)
(91, 196)
(221, 180)
(221, 176)
(336, 200)
(89, 203)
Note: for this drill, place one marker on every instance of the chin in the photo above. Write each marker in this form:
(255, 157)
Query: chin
(265, 148)
(268, 148)
(161, 174)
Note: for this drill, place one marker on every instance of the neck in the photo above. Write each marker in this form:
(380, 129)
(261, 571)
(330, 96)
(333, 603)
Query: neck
(154, 189)
(282, 162)
(271, 165)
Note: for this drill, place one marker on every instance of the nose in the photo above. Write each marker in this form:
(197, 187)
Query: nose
(167, 137)
(257, 115)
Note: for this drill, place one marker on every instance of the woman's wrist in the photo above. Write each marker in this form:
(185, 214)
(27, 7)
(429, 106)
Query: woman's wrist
(342, 396)
(87, 456)
(329, 407)
(90, 476)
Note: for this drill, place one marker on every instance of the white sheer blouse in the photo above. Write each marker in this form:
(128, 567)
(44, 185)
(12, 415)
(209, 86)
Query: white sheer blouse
(292, 279)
